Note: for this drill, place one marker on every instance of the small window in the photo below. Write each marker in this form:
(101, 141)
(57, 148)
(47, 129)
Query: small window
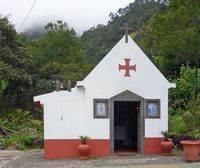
(101, 108)
(153, 108)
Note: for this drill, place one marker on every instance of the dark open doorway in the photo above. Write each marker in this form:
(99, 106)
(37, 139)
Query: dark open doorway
(126, 126)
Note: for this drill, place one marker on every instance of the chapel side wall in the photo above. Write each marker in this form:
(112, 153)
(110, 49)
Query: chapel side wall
(62, 134)
(63, 115)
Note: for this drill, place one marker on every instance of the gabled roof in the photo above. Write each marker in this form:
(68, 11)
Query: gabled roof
(108, 67)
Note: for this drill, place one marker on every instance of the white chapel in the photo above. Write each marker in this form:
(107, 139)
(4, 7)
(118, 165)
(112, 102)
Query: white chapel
(122, 104)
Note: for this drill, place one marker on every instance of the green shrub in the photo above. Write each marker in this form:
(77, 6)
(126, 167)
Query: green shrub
(27, 140)
(185, 88)
(177, 125)
(187, 121)
(22, 130)
(192, 117)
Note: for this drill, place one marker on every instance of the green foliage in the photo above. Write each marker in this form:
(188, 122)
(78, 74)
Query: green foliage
(84, 139)
(30, 67)
(16, 67)
(185, 123)
(165, 135)
(183, 103)
(3, 85)
(15, 61)
(185, 88)
(59, 55)
(20, 130)
(192, 117)
(170, 36)
(176, 123)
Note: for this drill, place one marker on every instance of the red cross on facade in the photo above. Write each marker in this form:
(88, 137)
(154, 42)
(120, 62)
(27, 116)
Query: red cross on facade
(127, 67)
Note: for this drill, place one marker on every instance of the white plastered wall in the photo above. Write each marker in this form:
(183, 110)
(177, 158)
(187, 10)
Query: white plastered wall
(63, 114)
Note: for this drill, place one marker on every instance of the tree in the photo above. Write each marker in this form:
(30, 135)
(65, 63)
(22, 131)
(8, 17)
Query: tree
(15, 61)
(59, 55)
(173, 35)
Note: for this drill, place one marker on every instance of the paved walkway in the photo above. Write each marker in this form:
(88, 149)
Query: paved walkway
(7, 155)
(186, 165)
(34, 159)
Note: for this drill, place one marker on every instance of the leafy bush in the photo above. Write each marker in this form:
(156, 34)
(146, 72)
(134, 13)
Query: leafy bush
(20, 130)
(185, 89)
(177, 125)
(176, 138)
(192, 117)
(184, 108)
(27, 140)
(185, 124)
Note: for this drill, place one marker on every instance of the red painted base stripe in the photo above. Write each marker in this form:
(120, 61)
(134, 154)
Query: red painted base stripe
(62, 148)
(152, 145)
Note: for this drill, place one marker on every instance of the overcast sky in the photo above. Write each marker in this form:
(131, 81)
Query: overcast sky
(79, 14)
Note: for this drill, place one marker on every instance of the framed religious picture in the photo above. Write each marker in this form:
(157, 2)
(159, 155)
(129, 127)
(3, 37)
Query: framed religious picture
(101, 108)
(153, 108)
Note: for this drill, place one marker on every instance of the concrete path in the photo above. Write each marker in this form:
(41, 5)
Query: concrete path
(35, 159)
(8, 155)
(178, 165)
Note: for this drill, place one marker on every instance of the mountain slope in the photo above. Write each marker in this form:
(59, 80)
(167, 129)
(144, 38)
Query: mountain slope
(98, 40)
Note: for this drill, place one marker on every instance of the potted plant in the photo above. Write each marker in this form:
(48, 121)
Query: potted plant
(166, 144)
(84, 148)
(192, 119)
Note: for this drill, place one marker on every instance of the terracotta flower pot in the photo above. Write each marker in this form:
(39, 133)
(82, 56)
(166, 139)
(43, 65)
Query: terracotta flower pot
(191, 150)
(84, 150)
(166, 147)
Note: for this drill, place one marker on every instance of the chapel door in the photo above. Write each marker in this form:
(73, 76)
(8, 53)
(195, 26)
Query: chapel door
(126, 126)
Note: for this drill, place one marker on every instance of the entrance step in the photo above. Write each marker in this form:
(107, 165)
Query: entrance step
(126, 153)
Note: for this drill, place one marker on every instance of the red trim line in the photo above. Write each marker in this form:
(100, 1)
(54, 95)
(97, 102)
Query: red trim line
(68, 148)
(152, 145)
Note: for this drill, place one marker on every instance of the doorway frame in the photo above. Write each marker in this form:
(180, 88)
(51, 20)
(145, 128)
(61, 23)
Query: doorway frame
(132, 97)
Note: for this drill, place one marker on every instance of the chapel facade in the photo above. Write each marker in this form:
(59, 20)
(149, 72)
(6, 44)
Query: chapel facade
(122, 105)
